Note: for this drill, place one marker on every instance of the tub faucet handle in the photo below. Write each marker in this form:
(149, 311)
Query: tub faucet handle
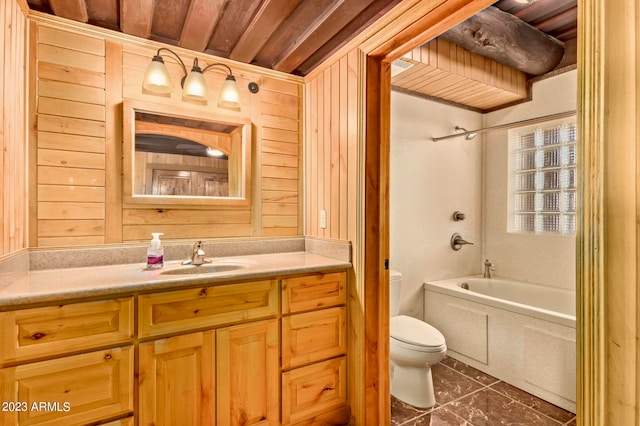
(457, 242)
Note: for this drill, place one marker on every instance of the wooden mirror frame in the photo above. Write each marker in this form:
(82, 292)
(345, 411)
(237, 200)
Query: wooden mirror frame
(129, 108)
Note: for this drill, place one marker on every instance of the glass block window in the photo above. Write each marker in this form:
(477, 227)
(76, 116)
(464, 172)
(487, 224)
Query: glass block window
(544, 164)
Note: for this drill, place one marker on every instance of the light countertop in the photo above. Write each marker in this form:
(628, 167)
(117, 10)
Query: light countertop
(53, 285)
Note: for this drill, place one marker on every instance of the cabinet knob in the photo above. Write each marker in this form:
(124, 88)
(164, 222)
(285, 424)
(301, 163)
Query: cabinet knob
(107, 357)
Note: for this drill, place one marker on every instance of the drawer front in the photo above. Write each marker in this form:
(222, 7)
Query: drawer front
(314, 389)
(74, 390)
(313, 336)
(313, 292)
(53, 330)
(183, 310)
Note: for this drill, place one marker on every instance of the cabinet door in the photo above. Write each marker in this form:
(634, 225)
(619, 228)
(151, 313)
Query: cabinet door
(247, 374)
(74, 390)
(176, 380)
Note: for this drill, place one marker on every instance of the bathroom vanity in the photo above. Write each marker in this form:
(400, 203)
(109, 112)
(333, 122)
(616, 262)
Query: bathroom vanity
(264, 344)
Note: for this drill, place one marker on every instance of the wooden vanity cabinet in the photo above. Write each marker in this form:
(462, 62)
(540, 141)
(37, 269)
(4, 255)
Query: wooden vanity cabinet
(264, 352)
(52, 372)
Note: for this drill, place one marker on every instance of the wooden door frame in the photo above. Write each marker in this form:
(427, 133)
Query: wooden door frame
(411, 24)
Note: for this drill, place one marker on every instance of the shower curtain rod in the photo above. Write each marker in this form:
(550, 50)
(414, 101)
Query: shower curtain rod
(509, 125)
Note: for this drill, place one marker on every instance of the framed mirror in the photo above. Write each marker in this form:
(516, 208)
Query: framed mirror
(184, 157)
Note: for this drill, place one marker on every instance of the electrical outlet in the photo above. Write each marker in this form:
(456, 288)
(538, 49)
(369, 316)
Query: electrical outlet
(323, 219)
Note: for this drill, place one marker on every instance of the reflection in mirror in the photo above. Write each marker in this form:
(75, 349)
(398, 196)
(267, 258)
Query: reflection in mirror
(184, 158)
(176, 156)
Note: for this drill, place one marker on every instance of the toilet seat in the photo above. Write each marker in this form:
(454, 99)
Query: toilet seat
(416, 334)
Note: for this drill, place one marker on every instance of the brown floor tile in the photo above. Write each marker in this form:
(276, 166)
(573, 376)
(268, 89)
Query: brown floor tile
(401, 412)
(468, 371)
(470, 403)
(489, 408)
(450, 385)
(438, 417)
(534, 402)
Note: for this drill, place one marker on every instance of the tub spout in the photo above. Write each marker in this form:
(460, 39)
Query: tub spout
(488, 267)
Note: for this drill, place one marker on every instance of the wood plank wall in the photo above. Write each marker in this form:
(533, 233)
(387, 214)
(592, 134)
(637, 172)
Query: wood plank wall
(82, 78)
(332, 147)
(13, 136)
(331, 122)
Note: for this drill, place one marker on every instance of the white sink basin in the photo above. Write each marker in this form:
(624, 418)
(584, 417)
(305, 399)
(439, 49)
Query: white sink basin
(207, 268)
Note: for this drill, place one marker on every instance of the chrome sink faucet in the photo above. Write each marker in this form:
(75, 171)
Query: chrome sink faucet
(197, 257)
(488, 267)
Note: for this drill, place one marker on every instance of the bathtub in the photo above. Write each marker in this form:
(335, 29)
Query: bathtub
(521, 333)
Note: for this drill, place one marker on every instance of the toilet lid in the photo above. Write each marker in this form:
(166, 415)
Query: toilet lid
(415, 332)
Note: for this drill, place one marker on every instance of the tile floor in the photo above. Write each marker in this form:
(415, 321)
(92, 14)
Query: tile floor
(466, 396)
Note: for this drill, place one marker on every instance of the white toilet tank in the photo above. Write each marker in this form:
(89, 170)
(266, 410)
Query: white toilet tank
(395, 284)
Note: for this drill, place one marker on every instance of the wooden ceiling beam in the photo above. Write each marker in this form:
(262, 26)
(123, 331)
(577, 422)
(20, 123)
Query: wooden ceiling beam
(265, 22)
(377, 9)
(70, 9)
(136, 17)
(200, 23)
(324, 27)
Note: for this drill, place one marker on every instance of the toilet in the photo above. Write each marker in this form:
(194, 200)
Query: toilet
(415, 346)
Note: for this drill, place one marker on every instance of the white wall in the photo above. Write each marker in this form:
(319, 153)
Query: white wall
(543, 259)
(428, 182)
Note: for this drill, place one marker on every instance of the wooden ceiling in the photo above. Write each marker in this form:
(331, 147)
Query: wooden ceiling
(558, 18)
(292, 36)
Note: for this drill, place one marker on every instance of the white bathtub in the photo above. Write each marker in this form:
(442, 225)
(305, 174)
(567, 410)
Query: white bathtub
(548, 303)
(521, 333)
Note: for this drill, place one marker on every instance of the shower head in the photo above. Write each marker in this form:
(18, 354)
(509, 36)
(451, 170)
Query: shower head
(468, 136)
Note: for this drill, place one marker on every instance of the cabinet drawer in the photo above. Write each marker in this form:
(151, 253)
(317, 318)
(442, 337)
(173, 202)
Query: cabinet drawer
(314, 389)
(74, 390)
(52, 330)
(182, 310)
(313, 336)
(313, 291)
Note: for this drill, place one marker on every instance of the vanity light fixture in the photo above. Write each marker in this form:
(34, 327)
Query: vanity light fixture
(194, 87)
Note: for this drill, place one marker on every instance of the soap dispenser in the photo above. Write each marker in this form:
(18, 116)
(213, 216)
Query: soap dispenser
(155, 252)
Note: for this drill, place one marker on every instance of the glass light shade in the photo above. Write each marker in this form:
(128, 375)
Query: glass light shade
(212, 152)
(157, 78)
(195, 87)
(229, 95)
